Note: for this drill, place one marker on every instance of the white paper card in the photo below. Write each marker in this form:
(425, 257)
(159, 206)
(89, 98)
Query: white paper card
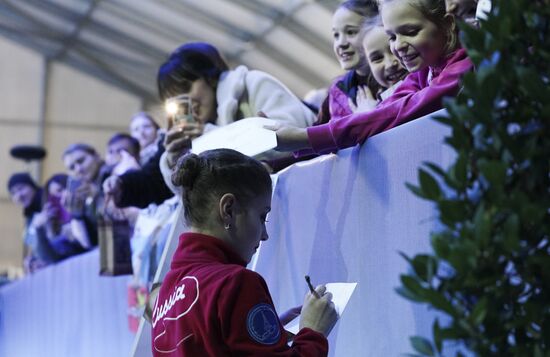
(341, 293)
(483, 8)
(246, 136)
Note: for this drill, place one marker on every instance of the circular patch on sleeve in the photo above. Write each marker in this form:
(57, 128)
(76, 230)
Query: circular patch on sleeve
(263, 324)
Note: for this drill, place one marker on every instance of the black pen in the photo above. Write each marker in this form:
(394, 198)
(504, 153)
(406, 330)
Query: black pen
(311, 289)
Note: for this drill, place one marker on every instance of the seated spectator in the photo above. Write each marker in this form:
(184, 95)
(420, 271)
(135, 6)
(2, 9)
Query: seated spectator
(122, 153)
(150, 225)
(139, 188)
(432, 55)
(145, 130)
(84, 163)
(25, 192)
(83, 195)
(58, 236)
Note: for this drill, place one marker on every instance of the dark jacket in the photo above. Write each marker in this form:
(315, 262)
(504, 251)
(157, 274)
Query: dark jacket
(142, 187)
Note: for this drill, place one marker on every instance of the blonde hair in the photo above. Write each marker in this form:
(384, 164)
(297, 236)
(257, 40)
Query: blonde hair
(435, 11)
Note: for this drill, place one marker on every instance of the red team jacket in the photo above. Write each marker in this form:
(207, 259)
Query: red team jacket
(211, 305)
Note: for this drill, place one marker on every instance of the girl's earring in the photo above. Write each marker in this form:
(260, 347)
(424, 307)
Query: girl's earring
(227, 226)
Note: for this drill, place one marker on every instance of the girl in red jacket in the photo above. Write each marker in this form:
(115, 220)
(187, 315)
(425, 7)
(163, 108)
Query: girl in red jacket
(209, 304)
(424, 38)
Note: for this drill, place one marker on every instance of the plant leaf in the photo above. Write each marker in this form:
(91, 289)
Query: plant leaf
(429, 185)
(437, 335)
(422, 345)
(479, 312)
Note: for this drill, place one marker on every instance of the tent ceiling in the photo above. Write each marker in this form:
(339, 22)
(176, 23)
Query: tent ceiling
(124, 41)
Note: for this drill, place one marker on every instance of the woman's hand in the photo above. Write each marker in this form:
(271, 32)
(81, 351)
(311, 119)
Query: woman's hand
(289, 138)
(75, 202)
(319, 313)
(127, 162)
(178, 139)
(112, 187)
(41, 218)
(365, 100)
(192, 130)
(112, 211)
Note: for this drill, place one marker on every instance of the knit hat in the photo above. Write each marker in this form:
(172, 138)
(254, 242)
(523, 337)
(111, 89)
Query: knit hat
(21, 177)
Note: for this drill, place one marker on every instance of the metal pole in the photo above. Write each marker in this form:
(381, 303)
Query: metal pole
(39, 168)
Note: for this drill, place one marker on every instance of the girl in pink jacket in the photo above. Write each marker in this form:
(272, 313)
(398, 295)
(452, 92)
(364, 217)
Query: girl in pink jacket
(424, 38)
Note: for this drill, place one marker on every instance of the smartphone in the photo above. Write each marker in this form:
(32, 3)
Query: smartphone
(62, 214)
(180, 109)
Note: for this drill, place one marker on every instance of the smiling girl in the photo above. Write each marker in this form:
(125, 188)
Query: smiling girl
(384, 65)
(146, 130)
(346, 33)
(424, 38)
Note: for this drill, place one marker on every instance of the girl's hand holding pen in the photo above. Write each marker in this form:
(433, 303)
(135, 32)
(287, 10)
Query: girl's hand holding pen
(318, 311)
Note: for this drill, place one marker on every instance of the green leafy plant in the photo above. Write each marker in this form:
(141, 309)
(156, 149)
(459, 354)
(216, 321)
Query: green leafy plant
(489, 272)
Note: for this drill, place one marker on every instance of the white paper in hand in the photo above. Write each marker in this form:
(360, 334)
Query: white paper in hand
(341, 293)
(246, 136)
(482, 9)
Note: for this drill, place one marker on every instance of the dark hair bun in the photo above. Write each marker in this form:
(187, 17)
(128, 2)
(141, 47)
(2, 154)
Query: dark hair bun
(188, 168)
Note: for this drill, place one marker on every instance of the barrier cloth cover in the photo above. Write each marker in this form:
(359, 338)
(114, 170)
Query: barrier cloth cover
(345, 219)
(67, 309)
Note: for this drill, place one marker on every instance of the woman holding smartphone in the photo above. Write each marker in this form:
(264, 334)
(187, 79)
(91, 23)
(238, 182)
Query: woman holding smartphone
(219, 96)
(56, 235)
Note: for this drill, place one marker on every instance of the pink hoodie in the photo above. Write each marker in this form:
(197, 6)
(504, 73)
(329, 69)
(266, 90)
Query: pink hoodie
(416, 96)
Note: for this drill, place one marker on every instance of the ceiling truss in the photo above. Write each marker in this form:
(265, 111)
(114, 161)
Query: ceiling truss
(130, 62)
